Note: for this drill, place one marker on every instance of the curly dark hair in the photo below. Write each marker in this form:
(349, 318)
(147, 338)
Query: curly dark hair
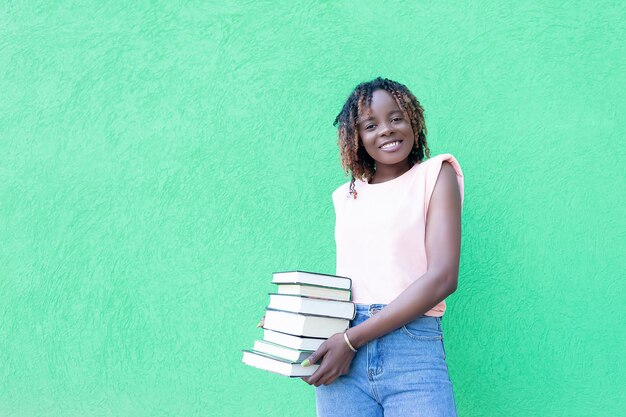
(354, 158)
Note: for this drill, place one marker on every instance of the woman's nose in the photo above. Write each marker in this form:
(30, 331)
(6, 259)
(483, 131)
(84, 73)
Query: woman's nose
(385, 128)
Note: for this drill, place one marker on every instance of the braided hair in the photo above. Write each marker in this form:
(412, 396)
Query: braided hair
(354, 158)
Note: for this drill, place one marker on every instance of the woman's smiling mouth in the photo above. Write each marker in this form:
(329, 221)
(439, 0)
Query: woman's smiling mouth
(391, 146)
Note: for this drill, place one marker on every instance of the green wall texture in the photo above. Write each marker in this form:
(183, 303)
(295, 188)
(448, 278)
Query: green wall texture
(160, 159)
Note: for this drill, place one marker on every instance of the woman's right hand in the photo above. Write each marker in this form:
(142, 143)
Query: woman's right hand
(262, 322)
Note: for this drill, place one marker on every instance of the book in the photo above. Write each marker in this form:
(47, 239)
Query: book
(280, 351)
(304, 277)
(318, 291)
(276, 365)
(305, 325)
(310, 305)
(291, 341)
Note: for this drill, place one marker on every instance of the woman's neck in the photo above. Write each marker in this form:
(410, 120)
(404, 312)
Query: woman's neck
(385, 173)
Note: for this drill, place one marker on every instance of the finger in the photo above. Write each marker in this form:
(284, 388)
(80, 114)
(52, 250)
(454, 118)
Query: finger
(317, 375)
(327, 379)
(315, 356)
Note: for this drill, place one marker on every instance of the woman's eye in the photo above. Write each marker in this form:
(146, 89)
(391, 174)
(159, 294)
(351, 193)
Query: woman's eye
(395, 119)
(369, 126)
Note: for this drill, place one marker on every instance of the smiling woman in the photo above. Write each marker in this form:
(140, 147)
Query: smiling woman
(400, 244)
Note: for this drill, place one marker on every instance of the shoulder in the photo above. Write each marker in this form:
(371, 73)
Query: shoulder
(342, 190)
(436, 163)
(343, 187)
(447, 171)
(443, 169)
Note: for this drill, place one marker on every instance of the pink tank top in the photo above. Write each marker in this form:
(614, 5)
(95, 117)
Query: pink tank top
(380, 235)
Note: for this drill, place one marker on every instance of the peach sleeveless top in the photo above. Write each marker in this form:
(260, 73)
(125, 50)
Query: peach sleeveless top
(380, 235)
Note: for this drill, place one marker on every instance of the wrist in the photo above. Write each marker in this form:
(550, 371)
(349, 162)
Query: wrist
(348, 343)
(353, 334)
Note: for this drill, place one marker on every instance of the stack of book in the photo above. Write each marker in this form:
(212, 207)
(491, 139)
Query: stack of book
(306, 309)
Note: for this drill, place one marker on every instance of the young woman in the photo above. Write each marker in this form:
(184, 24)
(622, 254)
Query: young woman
(398, 236)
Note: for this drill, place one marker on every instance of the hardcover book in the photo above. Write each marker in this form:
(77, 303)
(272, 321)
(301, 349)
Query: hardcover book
(318, 291)
(276, 365)
(306, 325)
(291, 341)
(304, 277)
(310, 305)
(282, 352)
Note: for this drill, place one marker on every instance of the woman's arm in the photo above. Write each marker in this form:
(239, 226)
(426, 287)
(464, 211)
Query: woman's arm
(443, 247)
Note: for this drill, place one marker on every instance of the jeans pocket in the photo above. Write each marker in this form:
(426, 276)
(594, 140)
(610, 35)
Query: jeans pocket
(423, 328)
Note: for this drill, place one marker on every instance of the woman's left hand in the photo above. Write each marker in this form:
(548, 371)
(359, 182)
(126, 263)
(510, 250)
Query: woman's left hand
(337, 358)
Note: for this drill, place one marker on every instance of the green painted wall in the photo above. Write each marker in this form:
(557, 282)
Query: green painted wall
(159, 160)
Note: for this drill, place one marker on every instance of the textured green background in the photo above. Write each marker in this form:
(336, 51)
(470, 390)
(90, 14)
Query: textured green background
(158, 160)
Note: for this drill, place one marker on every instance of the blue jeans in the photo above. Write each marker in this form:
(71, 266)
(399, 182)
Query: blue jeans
(401, 374)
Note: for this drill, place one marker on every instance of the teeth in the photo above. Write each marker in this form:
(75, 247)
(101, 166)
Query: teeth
(388, 145)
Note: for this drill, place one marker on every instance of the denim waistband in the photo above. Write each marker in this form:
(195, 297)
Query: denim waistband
(363, 308)
(374, 308)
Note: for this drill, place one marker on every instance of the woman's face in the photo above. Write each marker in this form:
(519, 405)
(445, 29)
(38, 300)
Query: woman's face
(385, 130)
